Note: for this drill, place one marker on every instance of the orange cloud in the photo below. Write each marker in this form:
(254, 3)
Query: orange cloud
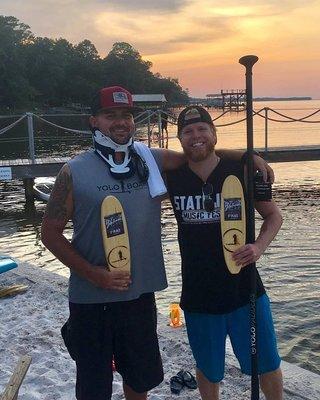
(193, 40)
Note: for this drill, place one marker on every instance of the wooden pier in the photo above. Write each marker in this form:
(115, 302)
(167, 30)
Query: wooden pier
(233, 100)
(291, 154)
(27, 170)
(30, 168)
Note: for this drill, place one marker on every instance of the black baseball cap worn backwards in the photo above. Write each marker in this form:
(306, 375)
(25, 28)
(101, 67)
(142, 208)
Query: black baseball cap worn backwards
(191, 115)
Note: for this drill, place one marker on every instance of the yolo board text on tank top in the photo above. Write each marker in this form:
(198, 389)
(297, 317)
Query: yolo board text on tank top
(92, 182)
(207, 285)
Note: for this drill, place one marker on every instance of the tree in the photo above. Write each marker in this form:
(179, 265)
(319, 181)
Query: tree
(87, 51)
(53, 72)
(170, 87)
(84, 72)
(15, 88)
(62, 73)
(45, 70)
(125, 66)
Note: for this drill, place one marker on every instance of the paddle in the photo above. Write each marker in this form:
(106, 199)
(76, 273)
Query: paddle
(233, 220)
(248, 62)
(115, 234)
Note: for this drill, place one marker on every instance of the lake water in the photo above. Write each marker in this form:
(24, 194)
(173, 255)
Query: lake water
(290, 268)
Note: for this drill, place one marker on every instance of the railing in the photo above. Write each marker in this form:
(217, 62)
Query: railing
(148, 119)
(266, 116)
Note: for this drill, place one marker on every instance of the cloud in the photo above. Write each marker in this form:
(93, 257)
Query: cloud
(205, 30)
(167, 25)
(253, 8)
(284, 4)
(145, 5)
(182, 38)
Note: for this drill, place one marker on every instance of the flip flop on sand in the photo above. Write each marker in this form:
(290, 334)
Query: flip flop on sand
(188, 379)
(176, 384)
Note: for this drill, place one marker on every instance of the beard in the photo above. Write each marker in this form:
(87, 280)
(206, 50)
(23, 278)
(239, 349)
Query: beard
(196, 154)
(120, 138)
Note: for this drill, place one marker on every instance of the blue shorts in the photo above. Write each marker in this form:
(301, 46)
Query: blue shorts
(207, 337)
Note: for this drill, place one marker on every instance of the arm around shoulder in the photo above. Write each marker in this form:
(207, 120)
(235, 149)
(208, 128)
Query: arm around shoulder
(259, 163)
(171, 159)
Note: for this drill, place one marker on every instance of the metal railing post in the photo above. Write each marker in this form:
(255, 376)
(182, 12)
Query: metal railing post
(149, 130)
(266, 130)
(160, 141)
(31, 136)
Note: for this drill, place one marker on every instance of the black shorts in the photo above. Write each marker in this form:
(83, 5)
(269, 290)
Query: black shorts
(127, 331)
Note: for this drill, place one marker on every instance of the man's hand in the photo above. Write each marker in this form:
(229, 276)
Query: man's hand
(247, 254)
(260, 164)
(111, 280)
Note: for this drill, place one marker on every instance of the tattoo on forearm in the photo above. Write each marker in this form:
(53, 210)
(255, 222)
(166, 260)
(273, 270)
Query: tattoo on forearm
(56, 207)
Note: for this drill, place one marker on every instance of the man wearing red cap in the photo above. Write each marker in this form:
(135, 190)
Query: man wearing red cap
(112, 313)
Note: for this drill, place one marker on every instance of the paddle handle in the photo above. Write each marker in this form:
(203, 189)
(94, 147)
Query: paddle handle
(248, 62)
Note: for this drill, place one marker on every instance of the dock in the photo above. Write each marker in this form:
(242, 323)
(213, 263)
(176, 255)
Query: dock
(291, 154)
(27, 169)
(50, 166)
(232, 100)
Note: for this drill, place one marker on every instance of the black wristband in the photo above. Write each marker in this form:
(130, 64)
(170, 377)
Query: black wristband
(245, 155)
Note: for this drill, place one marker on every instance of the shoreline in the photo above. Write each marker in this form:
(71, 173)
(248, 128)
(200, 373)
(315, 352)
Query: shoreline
(31, 323)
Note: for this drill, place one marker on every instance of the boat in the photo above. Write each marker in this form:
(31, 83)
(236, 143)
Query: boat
(42, 187)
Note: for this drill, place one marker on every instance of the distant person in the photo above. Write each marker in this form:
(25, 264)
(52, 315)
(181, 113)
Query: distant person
(112, 313)
(164, 120)
(216, 302)
(164, 125)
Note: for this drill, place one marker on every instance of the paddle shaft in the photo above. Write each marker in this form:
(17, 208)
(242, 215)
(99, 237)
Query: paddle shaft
(248, 62)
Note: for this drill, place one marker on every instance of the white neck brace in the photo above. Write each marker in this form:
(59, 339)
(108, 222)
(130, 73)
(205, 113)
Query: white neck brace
(106, 141)
(106, 148)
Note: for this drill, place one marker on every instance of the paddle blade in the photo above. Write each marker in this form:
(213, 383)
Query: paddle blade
(233, 220)
(115, 234)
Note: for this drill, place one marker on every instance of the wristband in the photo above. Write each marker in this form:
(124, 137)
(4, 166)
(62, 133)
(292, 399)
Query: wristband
(262, 191)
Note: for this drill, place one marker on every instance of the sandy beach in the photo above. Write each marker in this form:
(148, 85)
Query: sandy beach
(31, 322)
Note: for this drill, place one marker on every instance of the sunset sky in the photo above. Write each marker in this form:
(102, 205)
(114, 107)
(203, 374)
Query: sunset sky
(197, 41)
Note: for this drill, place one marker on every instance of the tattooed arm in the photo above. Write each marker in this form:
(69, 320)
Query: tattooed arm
(58, 212)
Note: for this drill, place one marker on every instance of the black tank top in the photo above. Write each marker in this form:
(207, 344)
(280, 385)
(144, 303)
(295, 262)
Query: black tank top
(207, 285)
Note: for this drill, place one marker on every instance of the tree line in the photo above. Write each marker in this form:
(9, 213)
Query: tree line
(44, 72)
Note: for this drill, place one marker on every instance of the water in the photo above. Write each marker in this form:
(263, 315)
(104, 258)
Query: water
(285, 134)
(290, 268)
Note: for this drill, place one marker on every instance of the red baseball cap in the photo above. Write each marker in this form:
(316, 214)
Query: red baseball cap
(113, 97)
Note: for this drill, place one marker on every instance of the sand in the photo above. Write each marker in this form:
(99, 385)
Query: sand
(31, 322)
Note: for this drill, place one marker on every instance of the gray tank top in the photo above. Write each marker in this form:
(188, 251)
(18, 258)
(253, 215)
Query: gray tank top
(92, 182)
